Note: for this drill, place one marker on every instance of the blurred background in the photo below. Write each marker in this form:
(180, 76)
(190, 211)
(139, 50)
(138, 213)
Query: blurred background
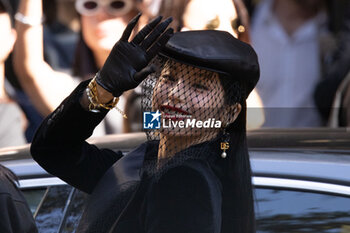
(49, 46)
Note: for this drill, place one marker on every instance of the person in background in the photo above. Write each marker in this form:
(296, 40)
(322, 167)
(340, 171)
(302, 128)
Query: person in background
(60, 31)
(15, 213)
(12, 121)
(286, 36)
(332, 93)
(226, 15)
(102, 23)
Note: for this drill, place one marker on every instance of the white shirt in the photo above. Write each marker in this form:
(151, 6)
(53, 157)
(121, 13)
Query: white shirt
(290, 69)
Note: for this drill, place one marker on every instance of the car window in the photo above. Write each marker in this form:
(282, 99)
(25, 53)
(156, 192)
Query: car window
(74, 212)
(51, 210)
(297, 211)
(33, 197)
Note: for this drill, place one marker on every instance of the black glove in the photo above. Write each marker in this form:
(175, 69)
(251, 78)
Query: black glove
(126, 65)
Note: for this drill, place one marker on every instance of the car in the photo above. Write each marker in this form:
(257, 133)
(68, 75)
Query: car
(301, 181)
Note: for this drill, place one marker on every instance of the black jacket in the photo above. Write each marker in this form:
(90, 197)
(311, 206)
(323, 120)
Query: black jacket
(186, 198)
(14, 211)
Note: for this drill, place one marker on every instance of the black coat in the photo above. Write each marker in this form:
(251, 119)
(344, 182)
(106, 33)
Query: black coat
(15, 215)
(186, 198)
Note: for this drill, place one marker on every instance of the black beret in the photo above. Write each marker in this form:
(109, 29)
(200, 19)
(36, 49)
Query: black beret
(217, 51)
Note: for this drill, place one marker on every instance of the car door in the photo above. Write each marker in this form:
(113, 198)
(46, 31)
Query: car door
(283, 209)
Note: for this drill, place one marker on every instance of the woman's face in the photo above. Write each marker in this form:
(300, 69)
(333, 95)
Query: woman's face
(186, 93)
(102, 30)
(209, 14)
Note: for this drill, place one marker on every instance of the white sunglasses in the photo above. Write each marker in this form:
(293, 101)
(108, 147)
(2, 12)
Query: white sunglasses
(113, 7)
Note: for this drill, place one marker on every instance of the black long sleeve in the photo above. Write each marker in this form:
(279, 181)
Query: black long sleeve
(59, 145)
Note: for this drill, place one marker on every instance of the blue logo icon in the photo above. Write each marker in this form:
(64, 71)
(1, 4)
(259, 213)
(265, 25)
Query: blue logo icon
(151, 120)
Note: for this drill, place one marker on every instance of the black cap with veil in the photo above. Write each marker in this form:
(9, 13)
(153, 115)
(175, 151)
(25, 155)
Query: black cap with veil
(201, 76)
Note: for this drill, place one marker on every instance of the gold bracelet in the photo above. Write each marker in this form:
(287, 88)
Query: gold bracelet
(92, 106)
(92, 94)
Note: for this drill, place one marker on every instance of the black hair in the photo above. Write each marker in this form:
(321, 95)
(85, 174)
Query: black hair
(238, 190)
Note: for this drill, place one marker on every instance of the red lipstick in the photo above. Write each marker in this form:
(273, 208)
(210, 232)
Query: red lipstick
(178, 111)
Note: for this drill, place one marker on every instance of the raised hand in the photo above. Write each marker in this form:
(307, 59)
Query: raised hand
(126, 65)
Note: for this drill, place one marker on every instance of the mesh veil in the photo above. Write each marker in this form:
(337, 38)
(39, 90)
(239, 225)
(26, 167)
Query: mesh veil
(195, 105)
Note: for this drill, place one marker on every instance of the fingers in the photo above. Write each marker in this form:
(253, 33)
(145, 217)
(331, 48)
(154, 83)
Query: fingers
(146, 30)
(151, 52)
(156, 33)
(142, 74)
(130, 27)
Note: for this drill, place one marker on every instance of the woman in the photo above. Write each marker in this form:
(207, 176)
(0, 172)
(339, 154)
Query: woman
(180, 180)
(102, 23)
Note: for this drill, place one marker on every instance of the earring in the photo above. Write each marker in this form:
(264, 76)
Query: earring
(224, 145)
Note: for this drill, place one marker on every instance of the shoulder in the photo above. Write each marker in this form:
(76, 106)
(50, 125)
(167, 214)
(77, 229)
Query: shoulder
(9, 192)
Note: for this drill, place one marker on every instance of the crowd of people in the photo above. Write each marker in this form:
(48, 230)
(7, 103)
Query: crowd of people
(302, 48)
(98, 52)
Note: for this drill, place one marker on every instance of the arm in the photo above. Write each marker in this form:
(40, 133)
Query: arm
(184, 200)
(59, 144)
(44, 86)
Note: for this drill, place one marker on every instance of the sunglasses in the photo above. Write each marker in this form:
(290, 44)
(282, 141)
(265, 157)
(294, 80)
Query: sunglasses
(113, 7)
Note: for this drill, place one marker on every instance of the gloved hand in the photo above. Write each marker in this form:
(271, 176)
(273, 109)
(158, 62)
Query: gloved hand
(126, 65)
